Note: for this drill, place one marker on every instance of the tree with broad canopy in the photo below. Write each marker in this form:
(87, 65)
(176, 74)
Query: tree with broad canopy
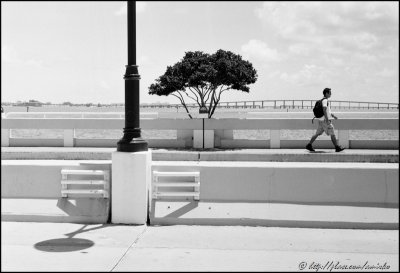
(202, 78)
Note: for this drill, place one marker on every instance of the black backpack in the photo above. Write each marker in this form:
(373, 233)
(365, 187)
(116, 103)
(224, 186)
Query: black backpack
(318, 110)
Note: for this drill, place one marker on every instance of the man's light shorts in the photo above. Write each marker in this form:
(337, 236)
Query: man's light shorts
(325, 127)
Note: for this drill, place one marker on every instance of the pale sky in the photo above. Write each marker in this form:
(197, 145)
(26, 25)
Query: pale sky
(77, 51)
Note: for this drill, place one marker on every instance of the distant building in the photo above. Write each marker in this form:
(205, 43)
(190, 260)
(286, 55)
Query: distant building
(30, 103)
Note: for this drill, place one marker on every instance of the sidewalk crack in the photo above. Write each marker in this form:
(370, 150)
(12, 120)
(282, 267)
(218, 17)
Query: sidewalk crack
(134, 242)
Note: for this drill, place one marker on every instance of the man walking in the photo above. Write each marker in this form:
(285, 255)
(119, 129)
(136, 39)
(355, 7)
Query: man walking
(325, 123)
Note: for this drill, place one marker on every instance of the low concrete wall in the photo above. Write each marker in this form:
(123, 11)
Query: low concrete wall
(266, 144)
(64, 210)
(31, 142)
(219, 132)
(374, 144)
(40, 178)
(222, 143)
(304, 182)
(273, 215)
(153, 143)
(27, 184)
(294, 182)
(79, 142)
(318, 144)
(31, 191)
(290, 194)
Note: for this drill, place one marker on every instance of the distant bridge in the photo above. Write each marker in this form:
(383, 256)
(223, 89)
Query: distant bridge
(287, 104)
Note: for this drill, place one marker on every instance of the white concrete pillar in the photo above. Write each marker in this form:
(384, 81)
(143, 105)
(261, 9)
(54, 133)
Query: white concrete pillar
(198, 138)
(69, 136)
(131, 178)
(228, 134)
(186, 135)
(5, 137)
(220, 134)
(275, 139)
(344, 138)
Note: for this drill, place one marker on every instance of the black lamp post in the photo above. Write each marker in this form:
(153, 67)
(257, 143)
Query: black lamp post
(203, 113)
(132, 140)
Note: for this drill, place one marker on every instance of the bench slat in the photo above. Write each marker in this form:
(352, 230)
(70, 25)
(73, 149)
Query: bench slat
(84, 191)
(84, 172)
(177, 194)
(83, 182)
(176, 184)
(161, 174)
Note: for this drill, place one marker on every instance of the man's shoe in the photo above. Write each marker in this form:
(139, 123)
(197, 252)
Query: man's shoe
(339, 149)
(310, 148)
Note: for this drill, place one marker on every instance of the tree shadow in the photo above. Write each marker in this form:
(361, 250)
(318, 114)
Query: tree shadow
(67, 244)
(64, 245)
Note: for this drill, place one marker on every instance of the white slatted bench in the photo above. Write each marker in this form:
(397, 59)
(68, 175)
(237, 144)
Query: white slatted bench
(104, 181)
(158, 186)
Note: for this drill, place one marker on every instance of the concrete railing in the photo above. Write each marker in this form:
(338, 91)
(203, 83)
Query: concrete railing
(190, 132)
(284, 104)
(74, 115)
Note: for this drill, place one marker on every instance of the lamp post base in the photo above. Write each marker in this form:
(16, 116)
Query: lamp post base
(132, 145)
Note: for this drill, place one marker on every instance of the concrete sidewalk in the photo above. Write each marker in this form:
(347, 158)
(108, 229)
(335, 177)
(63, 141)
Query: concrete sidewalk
(280, 155)
(75, 247)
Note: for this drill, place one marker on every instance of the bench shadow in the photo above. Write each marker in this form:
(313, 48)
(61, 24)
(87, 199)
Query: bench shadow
(176, 213)
(81, 209)
(175, 217)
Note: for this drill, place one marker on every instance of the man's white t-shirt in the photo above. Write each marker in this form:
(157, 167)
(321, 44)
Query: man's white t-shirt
(328, 109)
